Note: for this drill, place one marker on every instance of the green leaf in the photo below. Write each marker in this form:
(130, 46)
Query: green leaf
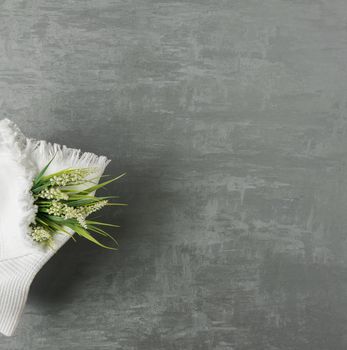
(84, 233)
(60, 172)
(59, 228)
(55, 218)
(84, 202)
(102, 233)
(85, 196)
(92, 222)
(42, 172)
(40, 188)
(96, 187)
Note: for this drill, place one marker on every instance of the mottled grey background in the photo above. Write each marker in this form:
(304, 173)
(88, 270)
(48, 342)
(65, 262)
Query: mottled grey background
(230, 119)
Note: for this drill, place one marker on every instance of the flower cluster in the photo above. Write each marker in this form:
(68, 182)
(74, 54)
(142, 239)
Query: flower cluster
(74, 176)
(65, 211)
(53, 193)
(39, 234)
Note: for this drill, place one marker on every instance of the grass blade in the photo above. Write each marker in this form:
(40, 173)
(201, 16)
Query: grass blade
(98, 223)
(96, 187)
(42, 172)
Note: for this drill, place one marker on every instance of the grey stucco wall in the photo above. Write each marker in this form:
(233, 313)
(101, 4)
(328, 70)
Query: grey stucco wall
(230, 119)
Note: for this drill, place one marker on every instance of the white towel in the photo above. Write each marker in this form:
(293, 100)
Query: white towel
(20, 257)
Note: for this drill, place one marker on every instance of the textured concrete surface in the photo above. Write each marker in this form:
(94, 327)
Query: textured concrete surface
(230, 119)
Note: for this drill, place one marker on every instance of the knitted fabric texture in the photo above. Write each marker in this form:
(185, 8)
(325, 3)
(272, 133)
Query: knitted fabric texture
(20, 257)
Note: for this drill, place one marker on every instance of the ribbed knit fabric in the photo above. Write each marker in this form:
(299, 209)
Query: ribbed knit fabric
(16, 277)
(20, 257)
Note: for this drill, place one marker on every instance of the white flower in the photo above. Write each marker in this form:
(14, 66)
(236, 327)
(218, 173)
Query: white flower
(82, 221)
(39, 234)
(80, 213)
(53, 193)
(72, 177)
(86, 211)
(56, 208)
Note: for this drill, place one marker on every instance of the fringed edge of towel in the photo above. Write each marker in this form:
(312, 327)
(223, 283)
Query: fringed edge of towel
(70, 157)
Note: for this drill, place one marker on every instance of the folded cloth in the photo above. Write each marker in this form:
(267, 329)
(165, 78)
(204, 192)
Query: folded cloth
(21, 258)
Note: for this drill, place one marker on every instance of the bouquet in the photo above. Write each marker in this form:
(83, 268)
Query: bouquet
(62, 204)
(47, 194)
